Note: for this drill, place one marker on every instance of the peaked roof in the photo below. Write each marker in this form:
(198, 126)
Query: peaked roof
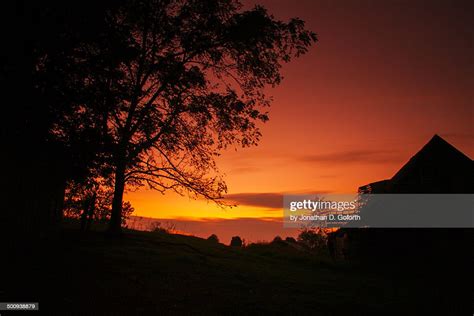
(437, 150)
(438, 162)
(437, 168)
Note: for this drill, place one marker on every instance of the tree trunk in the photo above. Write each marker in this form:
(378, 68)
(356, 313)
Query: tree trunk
(115, 225)
(84, 217)
(91, 211)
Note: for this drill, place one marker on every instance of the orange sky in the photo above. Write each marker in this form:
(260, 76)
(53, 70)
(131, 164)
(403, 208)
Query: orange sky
(384, 77)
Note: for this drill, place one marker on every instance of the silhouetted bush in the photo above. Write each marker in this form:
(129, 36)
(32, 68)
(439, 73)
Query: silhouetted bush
(290, 240)
(213, 238)
(236, 241)
(91, 202)
(277, 239)
(314, 239)
(163, 228)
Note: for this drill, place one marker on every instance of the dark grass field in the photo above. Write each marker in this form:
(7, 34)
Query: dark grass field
(145, 273)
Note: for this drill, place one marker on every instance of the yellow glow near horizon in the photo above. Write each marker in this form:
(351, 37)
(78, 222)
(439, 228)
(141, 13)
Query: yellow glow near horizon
(148, 203)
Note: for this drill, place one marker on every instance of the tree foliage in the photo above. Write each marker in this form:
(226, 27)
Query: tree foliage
(191, 86)
(236, 241)
(151, 91)
(314, 239)
(91, 202)
(213, 238)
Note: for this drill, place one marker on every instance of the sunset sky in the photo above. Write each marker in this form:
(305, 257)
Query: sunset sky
(383, 78)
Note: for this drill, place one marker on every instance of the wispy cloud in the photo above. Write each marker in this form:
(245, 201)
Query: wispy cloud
(269, 200)
(272, 201)
(353, 156)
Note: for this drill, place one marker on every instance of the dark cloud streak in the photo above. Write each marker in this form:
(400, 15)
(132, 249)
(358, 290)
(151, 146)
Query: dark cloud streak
(353, 156)
(272, 201)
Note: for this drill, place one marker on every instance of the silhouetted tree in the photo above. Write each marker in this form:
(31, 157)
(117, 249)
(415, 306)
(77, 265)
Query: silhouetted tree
(63, 50)
(149, 90)
(163, 228)
(277, 239)
(46, 137)
(314, 239)
(91, 201)
(189, 83)
(236, 241)
(213, 238)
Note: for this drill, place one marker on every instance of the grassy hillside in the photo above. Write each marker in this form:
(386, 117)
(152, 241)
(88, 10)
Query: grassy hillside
(157, 273)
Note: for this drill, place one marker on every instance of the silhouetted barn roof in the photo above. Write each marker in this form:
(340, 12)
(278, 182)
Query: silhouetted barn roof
(437, 168)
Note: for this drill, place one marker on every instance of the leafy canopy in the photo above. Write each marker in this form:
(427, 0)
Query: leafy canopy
(170, 83)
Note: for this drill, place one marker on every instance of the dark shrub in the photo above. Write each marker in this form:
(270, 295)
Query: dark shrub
(290, 240)
(213, 238)
(162, 228)
(236, 241)
(277, 239)
(314, 239)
